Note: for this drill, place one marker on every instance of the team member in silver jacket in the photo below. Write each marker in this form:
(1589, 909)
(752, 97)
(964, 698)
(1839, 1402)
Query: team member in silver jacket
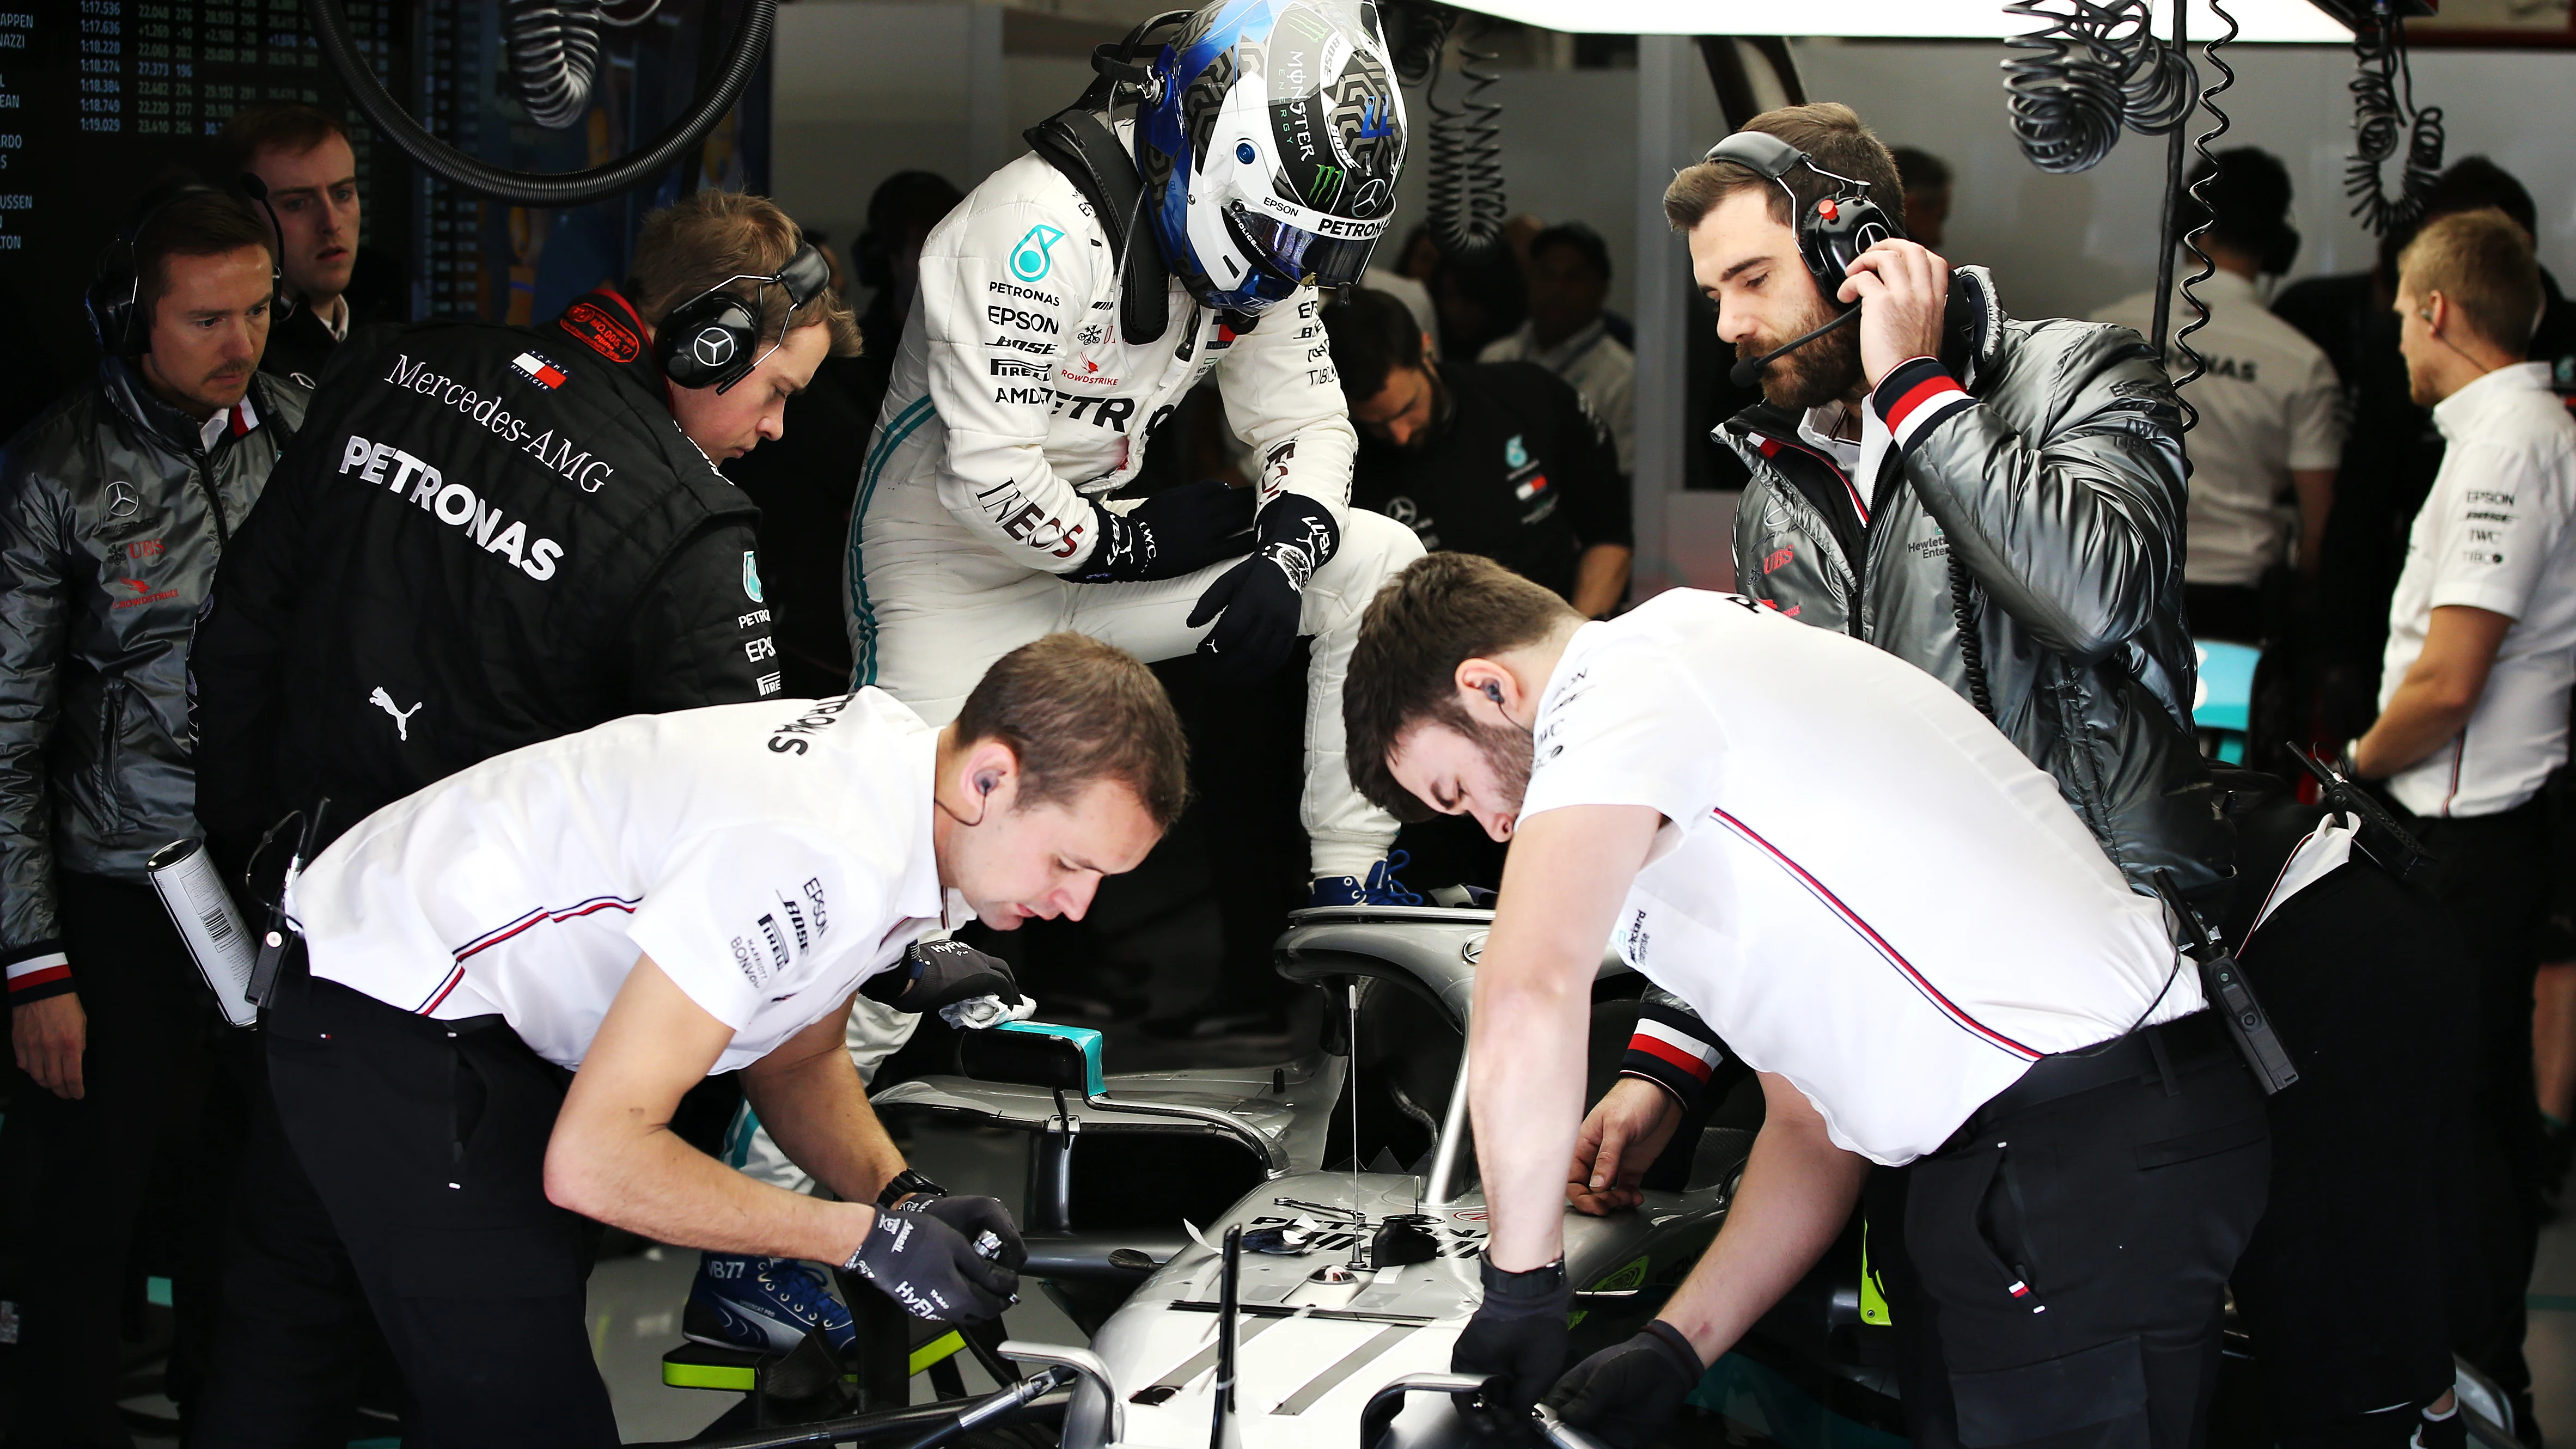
(115, 506)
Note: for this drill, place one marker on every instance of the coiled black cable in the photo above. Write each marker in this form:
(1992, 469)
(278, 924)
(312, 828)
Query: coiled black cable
(2383, 112)
(2090, 69)
(554, 58)
(528, 188)
(1972, 644)
(1467, 203)
(2196, 364)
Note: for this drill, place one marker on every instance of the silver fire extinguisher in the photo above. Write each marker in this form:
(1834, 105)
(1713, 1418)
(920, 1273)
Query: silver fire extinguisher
(203, 910)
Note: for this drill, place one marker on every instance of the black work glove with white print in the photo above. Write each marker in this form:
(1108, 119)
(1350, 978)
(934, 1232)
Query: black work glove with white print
(932, 1270)
(1177, 531)
(933, 974)
(973, 1217)
(1519, 1332)
(1622, 1395)
(1257, 603)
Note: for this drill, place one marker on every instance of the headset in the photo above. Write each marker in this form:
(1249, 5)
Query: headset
(709, 340)
(114, 299)
(1830, 234)
(1833, 231)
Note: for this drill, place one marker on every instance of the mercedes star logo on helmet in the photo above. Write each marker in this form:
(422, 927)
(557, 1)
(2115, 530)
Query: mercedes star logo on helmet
(712, 347)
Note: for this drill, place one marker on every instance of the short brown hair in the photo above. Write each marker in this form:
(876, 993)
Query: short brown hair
(289, 126)
(1075, 710)
(1829, 132)
(197, 222)
(694, 245)
(2482, 263)
(1443, 610)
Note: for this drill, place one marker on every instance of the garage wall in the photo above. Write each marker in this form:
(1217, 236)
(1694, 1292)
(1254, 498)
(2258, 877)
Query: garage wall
(2065, 245)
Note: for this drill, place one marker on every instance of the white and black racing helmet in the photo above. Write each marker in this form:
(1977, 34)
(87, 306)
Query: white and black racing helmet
(1271, 150)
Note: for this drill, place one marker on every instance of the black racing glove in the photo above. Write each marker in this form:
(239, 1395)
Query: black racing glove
(973, 1217)
(1519, 1331)
(1177, 531)
(1625, 1393)
(921, 1261)
(933, 974)
(1260, 599)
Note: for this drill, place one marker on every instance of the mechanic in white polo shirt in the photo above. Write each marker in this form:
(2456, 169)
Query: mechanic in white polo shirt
(1896, 919)
(515, 974)
(2473, 692)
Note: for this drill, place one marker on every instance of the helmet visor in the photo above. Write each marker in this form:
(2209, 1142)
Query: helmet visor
(1298, 256)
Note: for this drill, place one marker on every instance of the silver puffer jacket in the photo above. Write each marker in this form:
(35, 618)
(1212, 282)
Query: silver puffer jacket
(113, 514)
(2059, 480)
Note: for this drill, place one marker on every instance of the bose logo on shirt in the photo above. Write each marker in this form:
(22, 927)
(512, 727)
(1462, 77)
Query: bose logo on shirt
(453, 504)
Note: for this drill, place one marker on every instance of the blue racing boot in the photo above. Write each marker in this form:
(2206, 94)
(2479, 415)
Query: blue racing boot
(762, 1305)
(1380, 889)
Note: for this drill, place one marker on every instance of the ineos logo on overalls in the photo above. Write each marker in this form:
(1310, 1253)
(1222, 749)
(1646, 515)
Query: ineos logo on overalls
(712, 347)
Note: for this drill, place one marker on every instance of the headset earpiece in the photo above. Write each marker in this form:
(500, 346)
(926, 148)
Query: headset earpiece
(1833, 231)
(1493, 691)
(114, 299)
(713, 339)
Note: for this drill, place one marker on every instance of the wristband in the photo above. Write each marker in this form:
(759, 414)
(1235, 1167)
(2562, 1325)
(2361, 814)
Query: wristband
(905, 1184)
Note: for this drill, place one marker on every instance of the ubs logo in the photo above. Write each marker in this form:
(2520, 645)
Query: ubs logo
(712, 347)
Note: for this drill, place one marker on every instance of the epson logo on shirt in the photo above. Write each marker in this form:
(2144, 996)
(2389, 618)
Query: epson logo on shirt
(1019, 321)
(451, 503)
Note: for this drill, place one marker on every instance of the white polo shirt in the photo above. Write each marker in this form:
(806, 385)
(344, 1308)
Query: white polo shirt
(2269, 403)
(769, 857)
(2494, 534)
(1861, 885)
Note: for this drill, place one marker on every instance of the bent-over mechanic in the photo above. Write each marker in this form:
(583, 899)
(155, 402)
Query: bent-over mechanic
(516, 973)
(1894, 918)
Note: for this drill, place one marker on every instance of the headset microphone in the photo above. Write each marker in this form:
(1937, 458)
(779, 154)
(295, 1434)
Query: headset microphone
(1744, 373)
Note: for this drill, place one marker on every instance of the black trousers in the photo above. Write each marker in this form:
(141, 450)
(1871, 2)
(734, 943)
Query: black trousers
(131, 1178)
(2494, 883)
(421, 1146)
(2342, 1290)
(2062, 1265)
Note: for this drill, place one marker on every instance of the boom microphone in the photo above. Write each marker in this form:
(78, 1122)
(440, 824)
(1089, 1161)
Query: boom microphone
(1746, 371)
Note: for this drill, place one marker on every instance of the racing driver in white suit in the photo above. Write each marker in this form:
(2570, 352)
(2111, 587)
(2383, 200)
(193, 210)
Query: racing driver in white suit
(1047, 344)
(1024, 396)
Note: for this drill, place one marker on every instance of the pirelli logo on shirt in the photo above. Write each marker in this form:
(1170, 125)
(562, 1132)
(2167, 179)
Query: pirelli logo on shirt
(780, 935)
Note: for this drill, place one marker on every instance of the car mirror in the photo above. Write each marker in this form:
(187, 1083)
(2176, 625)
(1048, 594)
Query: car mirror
(1035, 1054)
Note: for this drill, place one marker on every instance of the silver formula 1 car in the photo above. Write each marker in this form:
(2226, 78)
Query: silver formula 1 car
(1347, 1178)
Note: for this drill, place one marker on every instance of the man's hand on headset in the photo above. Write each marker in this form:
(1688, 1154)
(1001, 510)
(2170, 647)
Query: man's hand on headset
(1904, 295)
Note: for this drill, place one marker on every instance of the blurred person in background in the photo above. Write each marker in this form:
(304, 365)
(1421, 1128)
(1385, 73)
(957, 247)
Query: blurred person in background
(2473, 702)
(2392, 449)
(1568, 332)
(1502, 459)
(1927, 193)
(1481, 297)
(304, 164)
(2271, 425)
